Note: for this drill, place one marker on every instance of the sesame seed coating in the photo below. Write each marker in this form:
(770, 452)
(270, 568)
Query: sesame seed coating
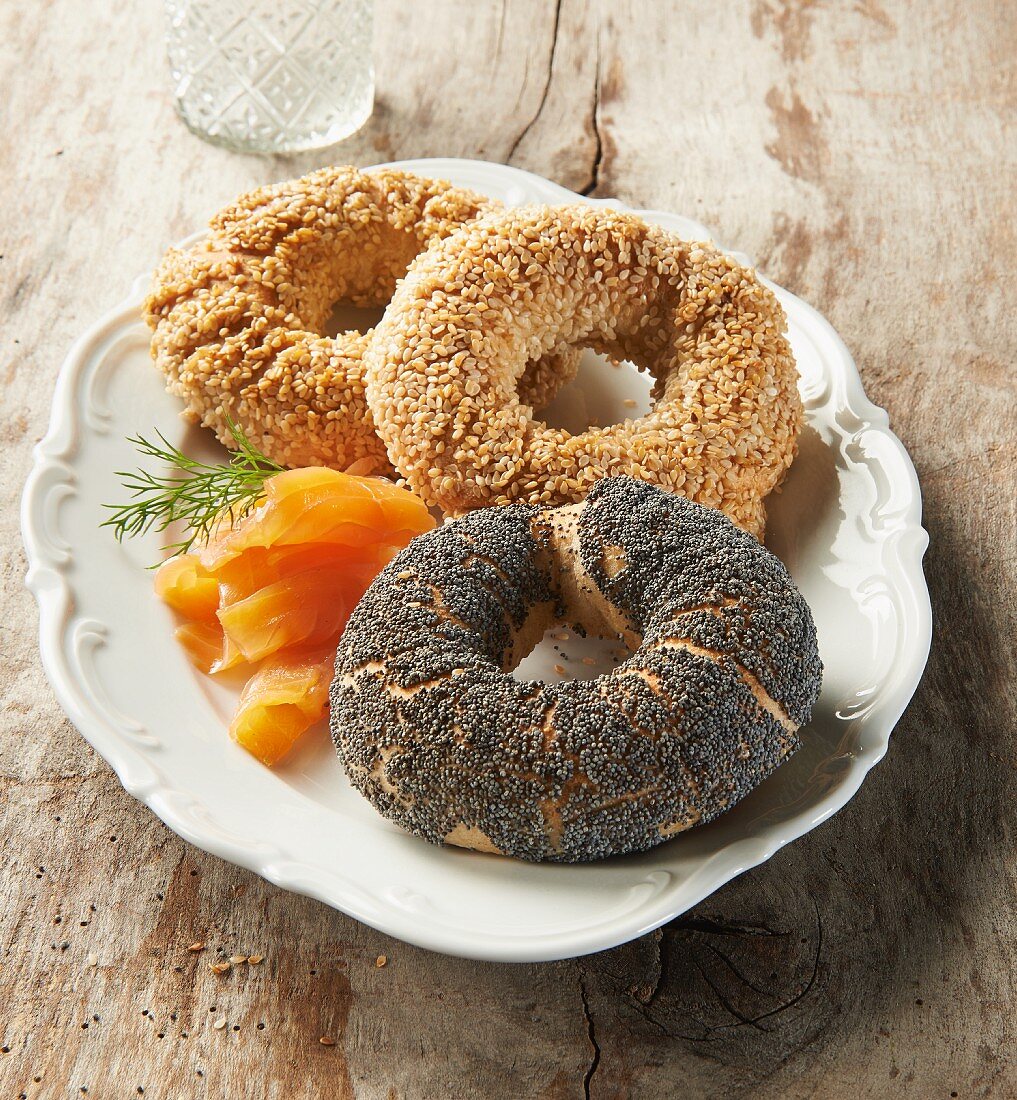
(435, 732)
(238, 320)
(442, 370)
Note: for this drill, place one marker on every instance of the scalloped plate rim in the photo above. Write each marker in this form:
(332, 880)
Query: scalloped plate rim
(143, 780)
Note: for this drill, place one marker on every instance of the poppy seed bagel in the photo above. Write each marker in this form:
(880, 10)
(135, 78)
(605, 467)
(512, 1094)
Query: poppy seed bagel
(432, 728)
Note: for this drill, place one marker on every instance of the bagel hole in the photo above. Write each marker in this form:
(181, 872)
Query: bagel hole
(601, 394)
(565, 654)
(346, 317)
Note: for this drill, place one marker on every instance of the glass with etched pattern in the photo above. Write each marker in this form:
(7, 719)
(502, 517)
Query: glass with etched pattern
(271, 76)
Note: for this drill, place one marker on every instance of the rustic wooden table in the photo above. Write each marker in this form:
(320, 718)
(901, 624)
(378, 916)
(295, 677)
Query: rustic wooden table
(864, 154)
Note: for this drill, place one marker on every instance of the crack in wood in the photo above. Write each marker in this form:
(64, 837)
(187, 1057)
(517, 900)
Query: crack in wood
(715, 927)
(649, 1017)
(805, 990)
(598, 150)
(591, 1069)
(547, 86)
(726, 1002)
(739, 975)
(640, 999)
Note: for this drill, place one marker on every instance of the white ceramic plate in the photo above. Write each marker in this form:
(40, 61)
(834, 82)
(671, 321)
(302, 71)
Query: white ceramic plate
(847, 524)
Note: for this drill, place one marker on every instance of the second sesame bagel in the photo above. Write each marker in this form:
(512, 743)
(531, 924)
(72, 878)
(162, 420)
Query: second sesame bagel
(443, 369)
(238, 320)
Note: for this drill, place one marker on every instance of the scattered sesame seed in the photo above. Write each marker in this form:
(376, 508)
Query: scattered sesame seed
(198, 945)
(219, 967)
(326, 1041)
(380, 961)
(220, 1023)
(255, 959)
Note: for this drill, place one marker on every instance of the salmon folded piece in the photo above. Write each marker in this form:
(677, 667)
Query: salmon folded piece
(285, 697)
(318, 505)
(187, 586)
(257, 568)
(274, 590)
(306, 609)
(203, 644)
(207, 646)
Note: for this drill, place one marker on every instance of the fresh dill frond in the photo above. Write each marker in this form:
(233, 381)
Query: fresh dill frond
(199, 495)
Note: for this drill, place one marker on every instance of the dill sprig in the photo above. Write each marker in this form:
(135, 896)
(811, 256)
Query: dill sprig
(199, 495)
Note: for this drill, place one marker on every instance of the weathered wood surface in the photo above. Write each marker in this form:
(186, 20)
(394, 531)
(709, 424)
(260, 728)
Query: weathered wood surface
(864, 154)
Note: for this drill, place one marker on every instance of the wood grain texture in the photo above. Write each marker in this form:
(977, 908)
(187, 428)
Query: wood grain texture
(864, 154)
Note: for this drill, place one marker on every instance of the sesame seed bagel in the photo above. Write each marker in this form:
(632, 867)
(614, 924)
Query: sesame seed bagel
(442, 371)
(238, 320)
(432, 728)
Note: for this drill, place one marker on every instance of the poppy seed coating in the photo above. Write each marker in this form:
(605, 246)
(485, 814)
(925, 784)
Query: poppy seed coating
(435, 732)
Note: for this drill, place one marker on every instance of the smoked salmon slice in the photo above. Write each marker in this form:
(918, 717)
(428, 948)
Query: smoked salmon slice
(202, 642)
(282, 699)
(304, 609)
(185, 584)
(318, 505)
(274, 589)
(207, 646)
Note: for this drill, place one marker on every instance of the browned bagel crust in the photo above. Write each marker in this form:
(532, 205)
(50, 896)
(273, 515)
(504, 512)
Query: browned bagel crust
(442, 370)
(237, 320)
(433, 730)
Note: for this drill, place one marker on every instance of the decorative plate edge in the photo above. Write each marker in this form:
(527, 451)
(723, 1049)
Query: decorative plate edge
(50, 587)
